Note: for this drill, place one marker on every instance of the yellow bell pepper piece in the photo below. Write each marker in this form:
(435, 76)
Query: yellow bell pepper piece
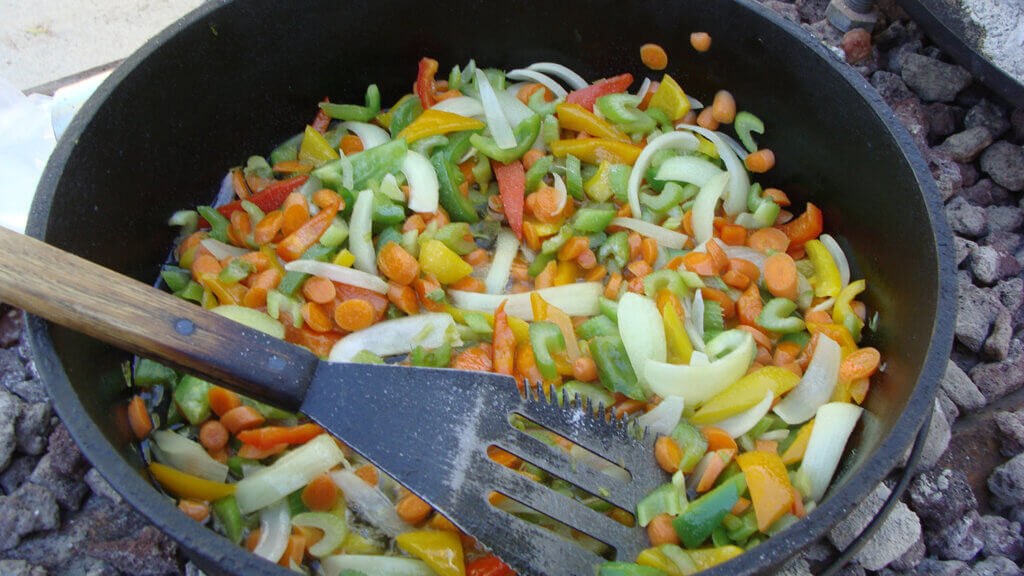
(768, 481)
(795, 452)
(185, 485)
(654, 558)
(223, 294)
(707, 557)
(344, 258)
(836, 332)
(315, 149)
(670, 99)
(268, 251)
(441, 550)
(433, 122)
(576, 117)
(443, 263)
(826, 279)
(745, 394)
(597, 150)
(706, 147)
(545, 228)
(679, 346)
(520, 328)
(841, 393)
(565, 273)
(356, 544)
(599, 187)
(539, 306)
(841, 309)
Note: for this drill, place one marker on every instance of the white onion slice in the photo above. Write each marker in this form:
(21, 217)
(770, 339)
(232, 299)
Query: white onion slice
(690, 169)
(186, 455)
(574, 80)
(288, 473)
(743, 422)
(369, 134)
(342, 274)
(505, 248)
(360, 233)
(423, 185)
(698, 384)
(825, 305)
(663, 236)
(739, 181)
(694, 103)
(664, 417)
(398, 336)
(697, 315)
(642, 332)
(587, 457)
(677, 140)
(579, 299)
(514, 109)
(776, 435)
(704, 208)
(815, 387)
(389, 187)
(838, 256)
(563, 193)
(496, 120)
(220, 250)
(738, 148)
(376, 565)
(644, 86)
(462, 105)
(534, 76)
(833, 425)
(275, 528)
(370, 503)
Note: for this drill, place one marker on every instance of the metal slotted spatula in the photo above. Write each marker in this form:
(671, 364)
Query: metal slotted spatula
(430, 429)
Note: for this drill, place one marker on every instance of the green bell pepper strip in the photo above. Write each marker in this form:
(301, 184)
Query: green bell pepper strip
(597, 326)
(191, 398)
(403, 114)
(594, 218)
(426, 146)
(704, 514)
(218, 223)
(665, 499)
(662, 279)
(287, 151)
(541, 107)
(229, 517)
(743, 527)
(720, 537)
(258, 166)
(744, 124)
(439, 357)
(554, 243)
(266, 410)
(236, 271)
(192, 291)
(545, 338)
(692, 443)
(592, 392)
(535, 175)
(386, 211)
(148, 373)
(574, 177)
(175, 278)
(458, 144)
(622, 110)
(615, 247)
(613, 367)
(353, 113)
(457, 236)
(459, 208)
(368, 165)
(538, 264)
(526, 134)
(775, 317)
(628, 569)
(609, 309)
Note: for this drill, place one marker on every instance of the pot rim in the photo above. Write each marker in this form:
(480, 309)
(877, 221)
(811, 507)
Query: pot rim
(218, 553)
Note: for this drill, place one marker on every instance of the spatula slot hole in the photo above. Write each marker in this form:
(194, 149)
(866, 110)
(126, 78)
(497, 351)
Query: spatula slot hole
(579, 454)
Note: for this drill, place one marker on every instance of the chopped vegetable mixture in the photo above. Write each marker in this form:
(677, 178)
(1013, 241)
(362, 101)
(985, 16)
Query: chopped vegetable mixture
(601, 238)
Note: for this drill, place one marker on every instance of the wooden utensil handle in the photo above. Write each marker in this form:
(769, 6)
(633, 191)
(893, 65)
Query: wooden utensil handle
(97, 301)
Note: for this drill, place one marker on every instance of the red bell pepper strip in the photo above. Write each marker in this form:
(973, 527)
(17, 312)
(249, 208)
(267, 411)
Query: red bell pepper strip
(425, 87)
(512, 188)
(488, 566)
(269, 199)
(587, 96)
(270, 436)
(504, 342)
(322, 120)
(805, 227)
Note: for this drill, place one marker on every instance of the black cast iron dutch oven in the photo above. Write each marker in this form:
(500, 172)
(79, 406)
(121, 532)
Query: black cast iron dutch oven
(236, 78)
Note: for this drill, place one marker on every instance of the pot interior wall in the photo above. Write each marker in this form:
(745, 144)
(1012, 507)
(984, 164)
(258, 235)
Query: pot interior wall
(246, 75)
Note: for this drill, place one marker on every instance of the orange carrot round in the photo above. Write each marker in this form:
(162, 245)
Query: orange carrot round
(860, 364)
(319, 290)
(653, 56)
(397, 264)
(413, 509)
(660, 531)
(316, 317)
(138, 418)
(668, 454)
(701, 41)
(723, 108)
(767, 239)
(354, 314)
(213, 435)
(196, 510)
(761, 161)
(242, 418)
(780, 276)
(222, 400)
(320, 494)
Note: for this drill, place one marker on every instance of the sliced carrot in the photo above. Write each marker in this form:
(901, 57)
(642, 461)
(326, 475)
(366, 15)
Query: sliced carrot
(302, 238)
(470, 284)
(668, 454)
(195, 509)
(241, 226)
(222, 400)
(404, 298)
(397, 264)
(707, 120)
(767, 239)
(292, 167)
(723, 107)
(425, 287)
(531, 157)
(269, 436)
(544, 204)
(314, 316)
(798, 504)
(546, 278)
(654, 57)
(736, 280)
(715, 465)
(660, 531)
(205, 264)
(771, 446)
(741, 506)
(728, 306)
(354, 314)
(324, 197)
(526, 91)
(777, 195)
(595, 274)
(649, 250)
(414, 222)
(860, 364)
(213, 435)
(611, 290)
(350, 144)
(321, 493)
(242, 418)
(413, 509)
(250, 452)
(859, 389)
(749, 305)
(268, 227)
(369, 474)
(439, 522)
(238, 184)
(745, 267)
(294, 551)
(573, 248)
(780, 276)
(734, 235)
(477, 257)
(761, 161)
(700, 263)
(319, 290)
(718, 439)
(296, 212)
(701, 41)
(718, 256)
(475, 358)
(263, 282)
(138, 418)
(785, 352)
(819, 316)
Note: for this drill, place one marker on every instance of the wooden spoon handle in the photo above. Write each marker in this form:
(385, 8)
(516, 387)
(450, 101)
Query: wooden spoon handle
(97, 301)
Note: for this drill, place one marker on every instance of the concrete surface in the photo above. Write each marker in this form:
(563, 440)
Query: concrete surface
(45, 40)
